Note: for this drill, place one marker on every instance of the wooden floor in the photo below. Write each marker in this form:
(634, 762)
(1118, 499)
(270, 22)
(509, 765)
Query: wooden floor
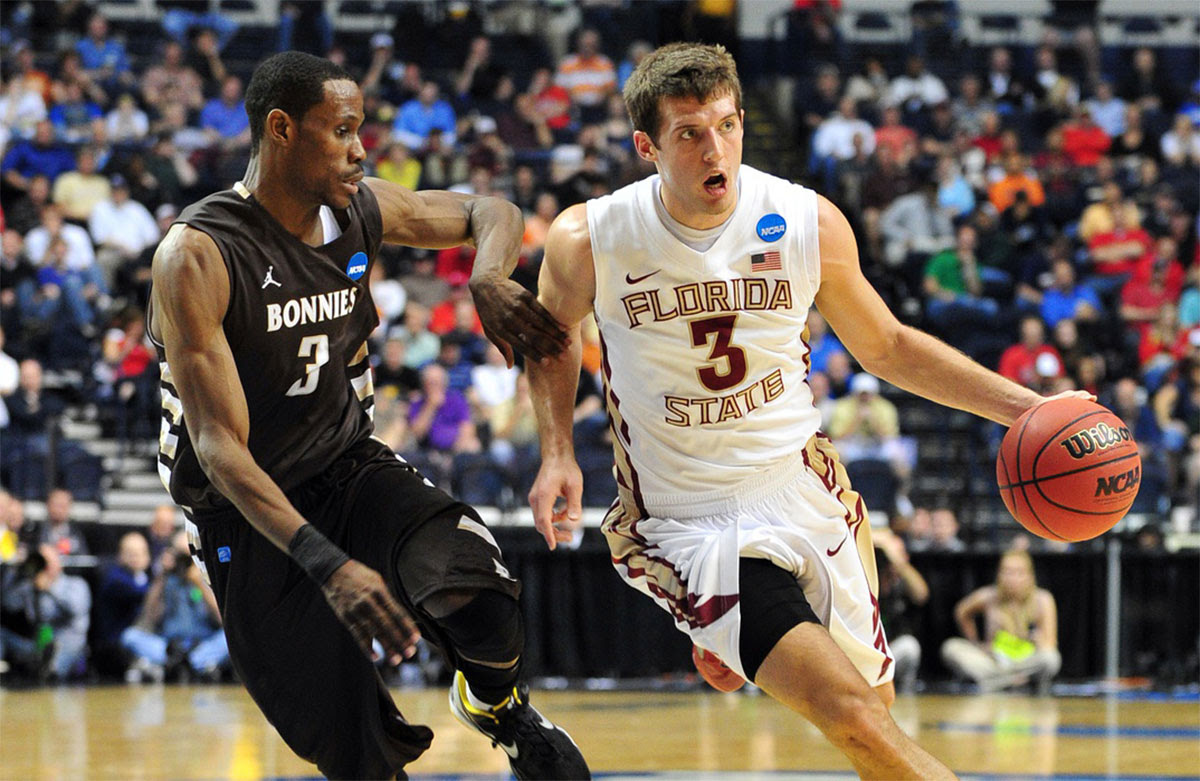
(181, 732)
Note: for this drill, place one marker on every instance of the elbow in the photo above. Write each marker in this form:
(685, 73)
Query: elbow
(885, 350)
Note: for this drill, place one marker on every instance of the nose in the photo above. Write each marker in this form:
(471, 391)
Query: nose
(357, 152)
(712, 146)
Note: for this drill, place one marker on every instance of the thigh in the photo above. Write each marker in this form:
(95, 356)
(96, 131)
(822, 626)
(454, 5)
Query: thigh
(298, 662)
(422, 540)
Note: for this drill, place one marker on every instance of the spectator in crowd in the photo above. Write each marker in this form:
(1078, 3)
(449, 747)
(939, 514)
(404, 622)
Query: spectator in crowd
(914, 226)
(31, 413)
(121, 227)
(1107, 110)
(553, 102)
(1018, 177)
(102, 56)
(1002, 86)
(77, 192)
(132, 277)
(588, 76)
(119, 598)
(42, 155)
(955, 195)
(943, 526)
(25, 213)
(399, 166)
(74, 114)
(903, 592)
(389, 296)
(24, 68)
(224, 118)
(50, 613)
(1066, 299)
(537, 225)
(21, 108)
(1084, 141)
(1100, 217)
(824, 403)
(838, 138)
(126, 123)
(493, 383)
(971, 104)
(919, 534)
(1020, 636)
(1018, 362)
(1181, 144)
(179, 630)
(892, 132)
(58, 530)
(161, 531)
(954, 286)
(171, 81)
(866, 426)
(917, 88)
(1145, 84)
(71, 286)
(208, 34)
(424, 113)
(17, 536)
(822, 342)
(440, 422)
(1116, 254)
(393, 375)
(868, 86)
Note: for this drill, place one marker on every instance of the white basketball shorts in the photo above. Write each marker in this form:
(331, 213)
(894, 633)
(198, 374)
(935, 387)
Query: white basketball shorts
(802, 516)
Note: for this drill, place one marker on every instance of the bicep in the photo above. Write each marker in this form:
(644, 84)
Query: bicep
(846, 299)
(567, 279)
(434, 219)
(190, 295)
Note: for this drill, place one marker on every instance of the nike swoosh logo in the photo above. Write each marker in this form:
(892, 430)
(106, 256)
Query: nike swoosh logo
(635, 280)
(834, 551)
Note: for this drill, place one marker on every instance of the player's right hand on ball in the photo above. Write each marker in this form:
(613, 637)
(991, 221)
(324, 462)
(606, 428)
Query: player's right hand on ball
(554, 480)
(363, 603)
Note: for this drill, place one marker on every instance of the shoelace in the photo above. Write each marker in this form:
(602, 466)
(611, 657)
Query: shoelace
(520, 721)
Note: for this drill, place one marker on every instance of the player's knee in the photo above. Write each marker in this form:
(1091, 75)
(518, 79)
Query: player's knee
(485, 629)
(859, 720)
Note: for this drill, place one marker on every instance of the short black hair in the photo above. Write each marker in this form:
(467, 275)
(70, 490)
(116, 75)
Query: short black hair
(292, 82)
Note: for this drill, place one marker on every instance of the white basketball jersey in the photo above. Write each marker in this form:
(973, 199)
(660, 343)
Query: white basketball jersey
(705, 360)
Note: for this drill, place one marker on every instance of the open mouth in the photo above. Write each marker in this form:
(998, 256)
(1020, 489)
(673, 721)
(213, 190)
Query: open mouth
(715, 184)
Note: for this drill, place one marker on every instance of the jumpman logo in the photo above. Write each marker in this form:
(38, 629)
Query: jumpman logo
(269, 279)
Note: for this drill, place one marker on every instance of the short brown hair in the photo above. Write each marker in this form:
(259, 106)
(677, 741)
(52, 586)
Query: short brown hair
(679, 70)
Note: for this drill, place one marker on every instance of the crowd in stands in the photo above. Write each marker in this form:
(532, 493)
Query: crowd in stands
(1036, 207)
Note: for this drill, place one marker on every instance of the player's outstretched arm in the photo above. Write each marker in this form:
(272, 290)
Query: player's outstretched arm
(190, 295)
(566, 287)
(436, 219)
(902, 355)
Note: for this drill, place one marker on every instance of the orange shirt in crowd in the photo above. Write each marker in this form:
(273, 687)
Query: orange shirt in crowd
(1003, 193)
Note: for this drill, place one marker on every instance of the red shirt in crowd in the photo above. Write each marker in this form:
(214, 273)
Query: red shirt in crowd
(1019, 363)
(1085, 145)
(1136, 242)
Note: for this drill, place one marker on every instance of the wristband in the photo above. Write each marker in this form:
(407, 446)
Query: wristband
(315, 554)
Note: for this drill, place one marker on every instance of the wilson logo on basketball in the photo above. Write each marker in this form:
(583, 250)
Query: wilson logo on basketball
(1119, 484)
(1099, 437)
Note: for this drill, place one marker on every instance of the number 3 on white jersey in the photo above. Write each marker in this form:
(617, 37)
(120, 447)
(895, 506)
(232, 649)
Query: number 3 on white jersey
(318, 348)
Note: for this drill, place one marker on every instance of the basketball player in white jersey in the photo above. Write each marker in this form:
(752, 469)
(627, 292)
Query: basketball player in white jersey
(733, 512)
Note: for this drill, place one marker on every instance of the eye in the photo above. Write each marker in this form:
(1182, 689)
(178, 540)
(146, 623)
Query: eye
(688, 135)
(728, 125)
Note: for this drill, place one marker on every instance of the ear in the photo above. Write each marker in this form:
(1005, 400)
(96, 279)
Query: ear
(645, 146)
(280, 128)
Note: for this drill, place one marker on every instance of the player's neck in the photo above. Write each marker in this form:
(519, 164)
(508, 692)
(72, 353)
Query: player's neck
(696, 220)
(298, 217)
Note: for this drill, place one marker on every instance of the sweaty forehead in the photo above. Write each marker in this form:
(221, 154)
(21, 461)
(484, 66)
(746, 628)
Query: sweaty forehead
(342, 99)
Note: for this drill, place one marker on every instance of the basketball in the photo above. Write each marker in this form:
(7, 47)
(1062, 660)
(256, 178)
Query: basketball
(1068, 469)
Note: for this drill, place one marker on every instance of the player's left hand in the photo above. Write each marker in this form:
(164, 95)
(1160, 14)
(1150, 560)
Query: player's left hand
(1071, 394)
(512, 316)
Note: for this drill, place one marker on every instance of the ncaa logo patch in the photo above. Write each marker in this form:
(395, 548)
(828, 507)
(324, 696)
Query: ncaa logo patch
(357, 265)
(771, 227)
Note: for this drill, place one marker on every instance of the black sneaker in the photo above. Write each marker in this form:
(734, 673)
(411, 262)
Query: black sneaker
(536, 748)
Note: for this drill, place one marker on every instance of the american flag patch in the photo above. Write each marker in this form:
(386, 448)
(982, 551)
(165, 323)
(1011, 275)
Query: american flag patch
(766, 261)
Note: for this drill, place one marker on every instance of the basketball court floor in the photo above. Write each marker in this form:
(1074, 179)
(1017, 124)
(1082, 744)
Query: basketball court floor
(207, 732)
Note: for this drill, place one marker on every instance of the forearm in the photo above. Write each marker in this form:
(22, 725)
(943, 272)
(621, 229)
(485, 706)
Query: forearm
(923, 365)
(552, 384)
(496, 227)
(233, 472)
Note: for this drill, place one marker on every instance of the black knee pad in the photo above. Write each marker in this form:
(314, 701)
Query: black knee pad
(771, 603)
(486, 629)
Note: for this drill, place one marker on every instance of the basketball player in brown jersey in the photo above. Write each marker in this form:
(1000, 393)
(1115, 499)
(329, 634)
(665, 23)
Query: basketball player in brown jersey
(316, 538)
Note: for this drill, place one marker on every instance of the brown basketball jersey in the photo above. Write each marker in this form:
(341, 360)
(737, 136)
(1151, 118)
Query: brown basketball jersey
(297, 323)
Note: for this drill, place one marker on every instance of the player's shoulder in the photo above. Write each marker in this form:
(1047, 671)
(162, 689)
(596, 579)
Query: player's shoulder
(187, 251)
(570, 231)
